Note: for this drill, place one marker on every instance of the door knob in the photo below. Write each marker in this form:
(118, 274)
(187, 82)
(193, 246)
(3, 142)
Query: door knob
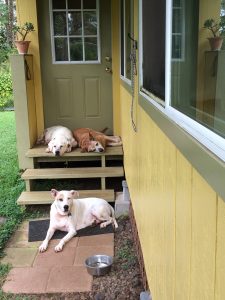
(108, 70)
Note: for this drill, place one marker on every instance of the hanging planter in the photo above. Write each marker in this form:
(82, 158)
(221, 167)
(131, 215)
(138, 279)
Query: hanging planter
(21, 31)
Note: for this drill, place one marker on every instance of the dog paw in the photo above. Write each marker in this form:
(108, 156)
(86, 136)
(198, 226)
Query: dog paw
(58, 248)
(43, 247)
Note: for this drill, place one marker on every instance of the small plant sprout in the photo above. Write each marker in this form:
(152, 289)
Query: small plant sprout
(23, 30)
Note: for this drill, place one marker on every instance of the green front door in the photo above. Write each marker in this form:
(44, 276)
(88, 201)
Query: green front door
(75, 43)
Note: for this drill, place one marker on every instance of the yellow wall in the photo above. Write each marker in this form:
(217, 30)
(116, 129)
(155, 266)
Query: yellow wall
(27, 12)
(180, 218)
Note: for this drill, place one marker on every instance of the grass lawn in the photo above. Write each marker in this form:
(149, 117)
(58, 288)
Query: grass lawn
(10, 182)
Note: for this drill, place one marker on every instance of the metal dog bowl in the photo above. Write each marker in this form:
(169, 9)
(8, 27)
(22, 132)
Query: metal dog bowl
(98, 264)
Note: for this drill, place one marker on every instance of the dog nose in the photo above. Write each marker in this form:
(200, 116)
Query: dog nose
(101, 150)
(66, 207)
(57, 153)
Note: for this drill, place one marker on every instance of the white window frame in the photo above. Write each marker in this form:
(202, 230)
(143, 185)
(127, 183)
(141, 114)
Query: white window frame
(54, 61)
(123, 77)
(208, 138)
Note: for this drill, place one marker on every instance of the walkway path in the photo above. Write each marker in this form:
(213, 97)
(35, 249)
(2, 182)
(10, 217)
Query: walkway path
(51, 272)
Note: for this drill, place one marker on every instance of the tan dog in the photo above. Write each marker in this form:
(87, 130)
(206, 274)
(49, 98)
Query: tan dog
(59, 140)
(90, 140)
(70, 214)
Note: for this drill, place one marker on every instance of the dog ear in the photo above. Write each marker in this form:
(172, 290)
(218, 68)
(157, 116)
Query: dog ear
(54, 193)
(74, 193)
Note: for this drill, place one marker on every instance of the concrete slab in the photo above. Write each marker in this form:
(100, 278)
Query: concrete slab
(26, 281)
(69, 279)
(19, 257)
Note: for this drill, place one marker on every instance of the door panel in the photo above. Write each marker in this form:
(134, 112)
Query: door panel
(76, 95)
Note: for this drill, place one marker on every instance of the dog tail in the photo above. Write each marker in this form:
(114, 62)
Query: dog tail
(113, 216)
(104, 130)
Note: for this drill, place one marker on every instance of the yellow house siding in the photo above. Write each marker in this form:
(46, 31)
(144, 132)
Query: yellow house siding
(27, 12)
(180, 219)
(220, 252)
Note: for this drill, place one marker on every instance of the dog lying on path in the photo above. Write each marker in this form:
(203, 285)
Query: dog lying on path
(90, 140)
(70, 214)
(59, 140)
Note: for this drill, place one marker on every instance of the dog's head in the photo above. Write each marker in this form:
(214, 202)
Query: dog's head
(59, 145)
(64, 200)
(95, 146)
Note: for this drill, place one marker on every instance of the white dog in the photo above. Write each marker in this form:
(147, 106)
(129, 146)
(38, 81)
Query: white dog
(59, 140)
(70, 214)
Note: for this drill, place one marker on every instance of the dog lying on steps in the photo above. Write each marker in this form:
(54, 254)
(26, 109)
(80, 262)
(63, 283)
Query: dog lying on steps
(90, 140)
(70, 214)
(59, 140)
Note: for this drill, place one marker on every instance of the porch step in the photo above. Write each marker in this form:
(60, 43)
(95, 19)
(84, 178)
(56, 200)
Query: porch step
(43, 197)
(39, 152)
(62, 173)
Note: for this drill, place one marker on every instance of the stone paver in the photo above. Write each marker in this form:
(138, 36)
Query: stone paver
(69, 279)
(96, 240)
(72, 243)
(84, 252)
(19, 257)
(19, 240)
(26, 280)
(52, 272)
(50, 258)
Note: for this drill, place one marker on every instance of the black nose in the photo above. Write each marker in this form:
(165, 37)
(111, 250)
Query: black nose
(57, 153)
(66, 207)
(101, 150)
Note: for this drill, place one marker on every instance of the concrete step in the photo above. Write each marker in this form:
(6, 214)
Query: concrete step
(44, 197)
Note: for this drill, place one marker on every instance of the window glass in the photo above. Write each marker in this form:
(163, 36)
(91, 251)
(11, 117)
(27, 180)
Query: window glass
(126, 24)
(90, 48)
(76, 49)
(197, 81)
(59, 4)
(90, 23)
(59, 21)
(74, 4)
(77, 22)
(89, 4)
(153, 66)
(61, 49)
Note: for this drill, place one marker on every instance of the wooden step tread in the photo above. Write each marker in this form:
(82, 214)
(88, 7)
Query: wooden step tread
(59, 173)
(42, 197)
(39, 151)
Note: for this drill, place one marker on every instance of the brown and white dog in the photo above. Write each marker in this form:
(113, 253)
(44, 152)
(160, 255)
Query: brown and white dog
(90, 140)
(59, 140)
(70, 214)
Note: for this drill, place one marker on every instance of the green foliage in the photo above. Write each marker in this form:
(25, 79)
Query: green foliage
(23, 30)
(10, 181)
(5, 47)
(126, 256)
(6, 94)
(217, 28)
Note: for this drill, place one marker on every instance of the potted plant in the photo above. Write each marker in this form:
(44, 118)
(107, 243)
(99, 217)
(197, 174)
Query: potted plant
(217, 28)
(21, 34)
